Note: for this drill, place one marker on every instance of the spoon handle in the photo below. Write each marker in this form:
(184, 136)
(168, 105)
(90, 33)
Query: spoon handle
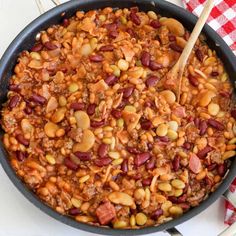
(196, 32)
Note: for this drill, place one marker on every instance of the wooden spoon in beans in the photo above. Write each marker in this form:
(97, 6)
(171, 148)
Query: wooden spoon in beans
(176, 72)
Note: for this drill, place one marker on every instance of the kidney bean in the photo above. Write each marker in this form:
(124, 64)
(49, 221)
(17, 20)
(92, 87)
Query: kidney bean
(131, 33)
(142, 158)
(113, 33)
(111, 26)
(21, 139)
(145, 58)
(135, 18)
(182, 198)
(208, 181)
(147, 182)
(187, 145)
(20, 155)
(193, 80)
(51, 72)
(137, 176)
(74, 211)
(111, 80)
(212, 166)
(225, 94)
(96, 58)
(103, 150)
(102, 161)
(77, 106)
(96, 124)
(37, 47)
(70, 164)
(150, 165)
(184, 206)
(14, 87)
(116, 113)
(67, 129)
(65, 22)
(91, 109)
(221, 169)
(155, 66)
(14, 100)
(233, 113)
(175, 47)
(38, 99)
(150, 146)
(203, 127)
(123, 103)
(83, 156)
(30, 104)
(164, 139)
(196, 122)
(50, 46)
(214, 73)
(124, 166)
(216, 124)
(172, 38)
(146, 124)
(156, 214)
(203, 153)
(149, 104)
(176, 163)
(127, 92)
(132, 150)
(173, 199)
(28, 110)
(152, 81)
(155, 24)
(199, 55)
(106, 48)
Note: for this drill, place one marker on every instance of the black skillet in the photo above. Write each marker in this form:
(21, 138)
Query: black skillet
(26, 39)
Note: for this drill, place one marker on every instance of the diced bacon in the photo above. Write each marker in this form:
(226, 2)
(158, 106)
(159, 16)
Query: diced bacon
(179, 112)
(131, 119)
(87, 24)
(128, 53)
(98, 87)
(195, 164)
(105, 213)
(170, 83)
(123, 136)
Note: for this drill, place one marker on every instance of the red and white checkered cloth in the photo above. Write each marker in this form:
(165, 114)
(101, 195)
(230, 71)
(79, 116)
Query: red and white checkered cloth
(222, 18)
(230, 211)
(223, 21)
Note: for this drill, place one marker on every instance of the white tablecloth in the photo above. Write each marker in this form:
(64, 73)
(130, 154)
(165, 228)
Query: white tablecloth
(18, 217)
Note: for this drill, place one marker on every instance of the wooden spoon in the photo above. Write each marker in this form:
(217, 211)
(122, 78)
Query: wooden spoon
(177, 71)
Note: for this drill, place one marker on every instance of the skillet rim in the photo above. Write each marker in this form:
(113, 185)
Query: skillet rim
(9, 58)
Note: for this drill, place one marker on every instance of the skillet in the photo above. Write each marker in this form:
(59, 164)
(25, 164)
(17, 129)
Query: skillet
(26, 39)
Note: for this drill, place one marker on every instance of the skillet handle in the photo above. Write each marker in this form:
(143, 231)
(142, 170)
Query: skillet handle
(230, 231)
(173, 232)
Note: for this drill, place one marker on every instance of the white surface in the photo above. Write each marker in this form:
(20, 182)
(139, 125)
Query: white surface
(18, 216)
